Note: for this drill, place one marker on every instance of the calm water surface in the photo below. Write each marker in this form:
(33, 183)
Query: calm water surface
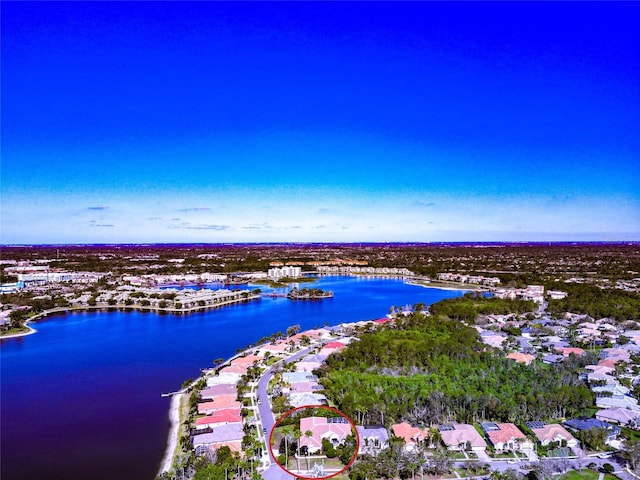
(81, 398)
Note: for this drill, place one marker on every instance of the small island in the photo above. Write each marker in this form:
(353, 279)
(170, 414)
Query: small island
(308, 294)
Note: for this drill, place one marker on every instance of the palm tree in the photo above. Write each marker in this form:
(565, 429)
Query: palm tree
(285, 433)
(297, 434)
(308, 434)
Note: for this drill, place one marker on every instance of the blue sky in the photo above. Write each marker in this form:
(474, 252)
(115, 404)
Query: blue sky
(310, 121)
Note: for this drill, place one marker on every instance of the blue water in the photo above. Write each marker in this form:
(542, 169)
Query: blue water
(81, 398)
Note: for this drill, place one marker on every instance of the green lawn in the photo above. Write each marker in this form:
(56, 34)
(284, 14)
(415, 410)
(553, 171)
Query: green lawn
(586, 474)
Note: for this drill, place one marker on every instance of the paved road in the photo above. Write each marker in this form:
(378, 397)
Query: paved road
(274, 472)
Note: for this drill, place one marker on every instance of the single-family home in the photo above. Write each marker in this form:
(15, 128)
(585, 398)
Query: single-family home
(226, 435)
(247, 360)
(566, 351)
(334, 429)
(508, 437)
(412, 436)
(220, 403)
(554, 432)
(306, 399)
(525, 358)
(219, 417)
(621, 416)
(583, 423)
(310, 363)
(305, 387)
(222, 378)
(623, 402)
(612, 390)
(222, 389)
(461, 436)
(297, 377)
(373, 439)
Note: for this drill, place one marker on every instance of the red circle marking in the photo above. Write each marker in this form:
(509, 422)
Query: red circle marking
(286, 414)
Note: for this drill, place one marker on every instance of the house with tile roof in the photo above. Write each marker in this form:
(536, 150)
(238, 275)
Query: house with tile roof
(334, 429)
(412, 436)
(247, 360)
(566, 351)
(234, 368)
(525, 358)
(220, 403)
(620, 416)
(304, 399)
(222, 389)
(228, 378)
(509, 437)
(310, 363)
(554, 433)
(230, 435)
(460, 436)
(623, 402)
(219, 417)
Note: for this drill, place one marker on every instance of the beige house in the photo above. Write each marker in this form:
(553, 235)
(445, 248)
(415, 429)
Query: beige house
(554, 433)
(509, 437)
(461, 436)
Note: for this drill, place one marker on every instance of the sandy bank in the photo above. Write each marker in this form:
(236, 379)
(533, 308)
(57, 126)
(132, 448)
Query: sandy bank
(174, 417)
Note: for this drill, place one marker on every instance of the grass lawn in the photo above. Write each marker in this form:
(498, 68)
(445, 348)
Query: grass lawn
(586, 474)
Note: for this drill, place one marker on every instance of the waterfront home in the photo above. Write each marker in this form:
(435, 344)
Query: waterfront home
(247, 361)
(621, 416)
(334, 429)
(373, 439)
(412, 436)
(226, 435)
(460, 436)
(506, 436)
(221, 389)
(223, 378)
(554, 432)
(220, 403)
(234, 369)
(279, 348)
(583, 423)
(219, 417)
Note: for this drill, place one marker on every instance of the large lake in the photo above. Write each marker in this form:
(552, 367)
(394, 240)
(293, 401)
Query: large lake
(81, 398)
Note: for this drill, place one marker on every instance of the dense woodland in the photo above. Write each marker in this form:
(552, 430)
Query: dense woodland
(469, 306)
(596, 302)
(434, 369)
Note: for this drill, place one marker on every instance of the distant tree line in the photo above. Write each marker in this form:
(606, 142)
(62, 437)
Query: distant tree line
(432, 369)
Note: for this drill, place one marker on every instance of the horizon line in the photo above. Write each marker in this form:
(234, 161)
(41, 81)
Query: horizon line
(468, 242)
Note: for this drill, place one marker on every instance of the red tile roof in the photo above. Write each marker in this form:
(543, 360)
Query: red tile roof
(227, 415)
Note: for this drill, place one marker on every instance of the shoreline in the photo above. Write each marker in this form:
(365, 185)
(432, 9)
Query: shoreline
(444, 286)
(104, 306)
(172, 441)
